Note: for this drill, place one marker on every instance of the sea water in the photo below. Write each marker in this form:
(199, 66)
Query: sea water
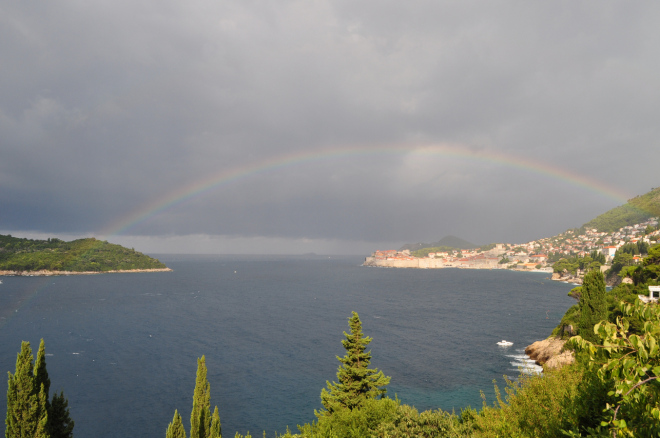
(124, 347)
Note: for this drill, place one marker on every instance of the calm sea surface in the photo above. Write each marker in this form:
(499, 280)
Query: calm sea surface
(123, 347)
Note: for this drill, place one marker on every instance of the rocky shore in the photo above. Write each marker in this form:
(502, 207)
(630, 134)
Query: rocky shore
(549, 354)
(566, 277)
(45, 273)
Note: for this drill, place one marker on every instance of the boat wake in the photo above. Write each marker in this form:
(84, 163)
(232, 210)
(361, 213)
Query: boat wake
(524, 364)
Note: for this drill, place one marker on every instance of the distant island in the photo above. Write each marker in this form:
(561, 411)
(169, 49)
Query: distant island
(21, 256)
(612, 242)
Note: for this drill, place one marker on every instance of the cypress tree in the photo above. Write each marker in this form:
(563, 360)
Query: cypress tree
(42, 419)
(593, 307)
(202, 425)
(356, 382)
(40, 372)
(201, 412)
(29, 412)
(175, 428)
(27, 415)
(216, 430)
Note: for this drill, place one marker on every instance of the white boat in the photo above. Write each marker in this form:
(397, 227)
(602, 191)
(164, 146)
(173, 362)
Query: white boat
(504, 343)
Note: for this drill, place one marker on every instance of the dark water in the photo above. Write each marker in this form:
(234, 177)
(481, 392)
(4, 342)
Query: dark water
(124, 347)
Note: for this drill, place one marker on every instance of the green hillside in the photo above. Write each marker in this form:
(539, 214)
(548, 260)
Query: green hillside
(451, 242)
(82, 255)
(636, 210)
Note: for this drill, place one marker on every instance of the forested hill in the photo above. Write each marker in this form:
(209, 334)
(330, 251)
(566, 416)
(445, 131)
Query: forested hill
(82, 255)
(636, 210)
(452, 242)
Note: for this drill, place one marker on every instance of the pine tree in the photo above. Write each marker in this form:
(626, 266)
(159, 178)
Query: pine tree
(60, 423)
(175, 428)
(356, 382)
(593, 307)
(201, 412)
(27, 415)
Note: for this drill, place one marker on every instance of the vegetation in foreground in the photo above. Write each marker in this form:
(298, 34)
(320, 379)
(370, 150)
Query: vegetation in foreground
(30, 413)
(82, 255)
(611, 390)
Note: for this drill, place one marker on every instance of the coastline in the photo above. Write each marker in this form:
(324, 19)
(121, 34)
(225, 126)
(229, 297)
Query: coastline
(425, 263)
(46, 273)
(550, 353)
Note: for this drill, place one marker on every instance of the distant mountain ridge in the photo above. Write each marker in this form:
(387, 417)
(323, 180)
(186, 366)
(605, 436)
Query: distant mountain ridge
(450, 241)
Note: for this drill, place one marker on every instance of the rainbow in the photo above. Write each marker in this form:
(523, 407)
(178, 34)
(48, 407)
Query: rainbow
(211, 182)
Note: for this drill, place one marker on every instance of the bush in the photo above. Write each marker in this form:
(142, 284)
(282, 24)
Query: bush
(542, 406)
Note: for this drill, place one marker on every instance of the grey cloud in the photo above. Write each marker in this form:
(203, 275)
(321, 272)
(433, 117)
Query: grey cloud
(105, 108)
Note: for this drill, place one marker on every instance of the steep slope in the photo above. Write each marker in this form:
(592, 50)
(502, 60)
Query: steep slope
(636, 210)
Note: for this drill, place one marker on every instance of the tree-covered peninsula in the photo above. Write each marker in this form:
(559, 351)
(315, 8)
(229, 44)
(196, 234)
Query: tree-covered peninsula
(81, 255)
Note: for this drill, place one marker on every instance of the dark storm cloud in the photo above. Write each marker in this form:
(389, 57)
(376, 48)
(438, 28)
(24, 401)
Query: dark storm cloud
(106, 107)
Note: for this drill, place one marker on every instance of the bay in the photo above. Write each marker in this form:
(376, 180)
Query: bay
(123, 347)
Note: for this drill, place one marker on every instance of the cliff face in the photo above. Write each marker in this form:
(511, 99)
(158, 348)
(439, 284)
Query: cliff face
(549, 353)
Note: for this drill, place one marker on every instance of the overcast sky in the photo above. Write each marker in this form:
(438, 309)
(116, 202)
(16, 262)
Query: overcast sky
(492, 121)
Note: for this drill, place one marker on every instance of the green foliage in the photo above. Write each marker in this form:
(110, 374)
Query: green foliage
(216, 429)
(175, 428)
(566, 264)
(647, 273)
(40, 372)
(408, 422)
(201, 411)
(82, 255)
(631, 362)
(569, 322)
(202, 424)
(636, 210)
(487, 247)
(60, 423)
(541, 406)
(356, 382)
(424, 252)
(29, 412)
(593, 308)
(572, 264)
(650, 270)
(384, 418)
(352, 423)
(26, 402)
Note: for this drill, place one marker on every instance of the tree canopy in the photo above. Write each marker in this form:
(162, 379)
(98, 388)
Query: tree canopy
(82, 255)
(593, 307)
(202, 423)
(356, 381)
(29, 412)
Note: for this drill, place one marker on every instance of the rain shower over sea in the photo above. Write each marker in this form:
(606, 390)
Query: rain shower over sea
(124, 347)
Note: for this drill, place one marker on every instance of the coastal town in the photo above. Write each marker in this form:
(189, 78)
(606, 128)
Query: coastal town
(538, 255)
